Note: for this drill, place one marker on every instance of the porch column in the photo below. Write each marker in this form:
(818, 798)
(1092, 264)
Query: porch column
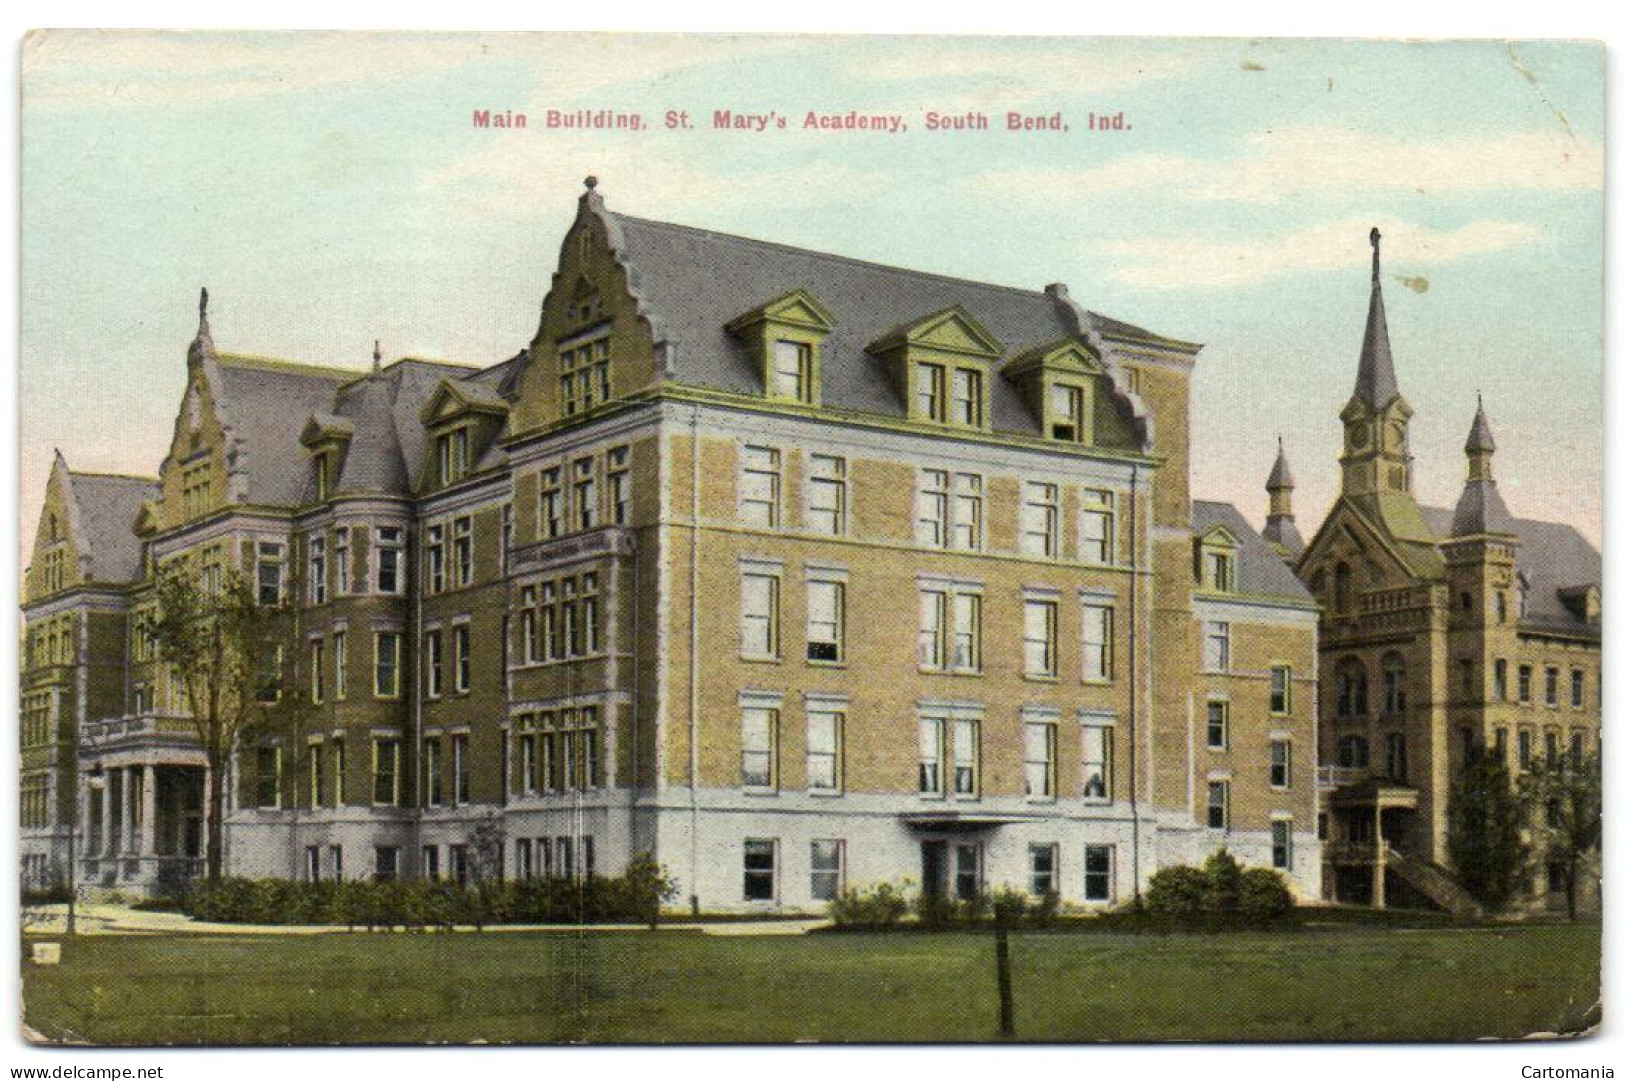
(126, 841)
(203, 821)
(149, 810)
(112, 800)
(81, 821)
(1379, 871)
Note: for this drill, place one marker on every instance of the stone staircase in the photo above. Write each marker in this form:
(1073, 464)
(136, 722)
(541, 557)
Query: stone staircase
(1433, 882)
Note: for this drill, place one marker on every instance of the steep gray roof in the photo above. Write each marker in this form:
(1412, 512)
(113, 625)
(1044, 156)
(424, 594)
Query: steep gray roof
(108, 505)
(1259, 567)
(1479, 438)
(1376, 383)
(1480, 510)
(1551, 557)
(693, 282)
(1281, 473)
(266, 405)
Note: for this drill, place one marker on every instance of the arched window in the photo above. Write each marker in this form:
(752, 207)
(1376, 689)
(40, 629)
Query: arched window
(1393, 685)
(1353, 752)
(1351, 688)
(1340, 588)
(51, 533)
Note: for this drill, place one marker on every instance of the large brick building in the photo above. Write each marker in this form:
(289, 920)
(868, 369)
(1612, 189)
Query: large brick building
(791, 569)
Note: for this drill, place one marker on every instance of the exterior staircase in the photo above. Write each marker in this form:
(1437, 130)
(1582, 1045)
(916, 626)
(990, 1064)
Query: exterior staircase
(1433, 882)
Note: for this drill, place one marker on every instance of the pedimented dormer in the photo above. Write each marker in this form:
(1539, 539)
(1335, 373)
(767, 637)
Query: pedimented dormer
(1062, 384)
(461, 419)
(942, 365)
(783, 337)
(327, 438)
(1215, 552)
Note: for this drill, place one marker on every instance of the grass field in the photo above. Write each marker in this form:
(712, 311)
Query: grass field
(1353, 982)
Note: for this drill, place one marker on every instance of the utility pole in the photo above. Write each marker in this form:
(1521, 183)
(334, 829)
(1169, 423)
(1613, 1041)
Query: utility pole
(1007, 999)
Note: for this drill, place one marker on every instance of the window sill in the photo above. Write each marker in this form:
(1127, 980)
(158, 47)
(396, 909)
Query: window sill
(961, 672)
(760, 660)
(760, 792)
(812, 663)
(1042, 800)
(1097, 682)
(1031, 678)
(825, 793)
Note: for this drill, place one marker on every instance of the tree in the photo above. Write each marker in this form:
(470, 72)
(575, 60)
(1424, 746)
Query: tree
(1486, 842)
(1563, 797)
(219, 645)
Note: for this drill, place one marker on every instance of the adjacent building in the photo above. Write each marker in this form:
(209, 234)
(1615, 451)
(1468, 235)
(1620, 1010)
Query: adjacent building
(794, 570)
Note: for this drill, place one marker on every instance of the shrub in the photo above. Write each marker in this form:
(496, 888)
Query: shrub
(1178, 893)
(1263, 896)
(879, 905)
(1010, 906)
(1223, 875)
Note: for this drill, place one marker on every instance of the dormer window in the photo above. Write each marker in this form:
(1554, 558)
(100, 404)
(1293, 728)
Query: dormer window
(792, 369)
(1068, 419)
(784, 336)
(929, 392)
(323, 463)
(939, 367)
(1059, 381)
(967, 397)
(1216, 560)
(452, 448)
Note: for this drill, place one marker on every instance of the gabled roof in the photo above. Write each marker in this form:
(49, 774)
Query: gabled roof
(107, 505)
(1259, 567)
(1551, 557)
(265, 406)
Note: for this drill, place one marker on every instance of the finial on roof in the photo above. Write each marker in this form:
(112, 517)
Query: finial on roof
(1281, 474)
(1376, 383)
(591, 182)
(1479, 438)
(377, 355)
(1376, 252)
(203, 312)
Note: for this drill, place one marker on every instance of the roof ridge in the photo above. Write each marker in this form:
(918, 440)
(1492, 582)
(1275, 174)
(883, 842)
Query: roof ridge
(1038, 294)
(300, 367)
(139, 477)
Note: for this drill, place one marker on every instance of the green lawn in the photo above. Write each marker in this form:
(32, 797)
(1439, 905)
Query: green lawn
(1337, 983)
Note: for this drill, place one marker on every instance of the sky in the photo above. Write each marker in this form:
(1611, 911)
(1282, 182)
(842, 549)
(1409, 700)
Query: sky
(331, 189)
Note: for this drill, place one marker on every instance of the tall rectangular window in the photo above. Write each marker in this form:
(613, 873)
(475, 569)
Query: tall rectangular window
(824, 732)
(1218, 804)
(1551, 687)
(1500, 679)
(1039, 761)
(826, 604)
(1040, 519)
(341, 560)
(1043, 869)
(386, 771)
(1097, 762)
(387, 543)
(589, 614)
(551, 505)
(1038, 637)
(340, 763)
(1099, 526)
(761, 870)
(1398, 757)
(792, 370)
(1218, 724)
(341, 664)
(432, 770)
(268, 574)
(386, 664)
(527, 624)
(434, 559)
(1280, 689)
(759, 615)
(967, 757)
(1098, 620)
(1577, 688)
(505, 542)
(268, 775)
(828, 861)
(933, 625)
(550, 623)
(316, 547)
(967, 632)
(1097, 872)
(1066, 420)
(826, 494)
(527, 761)
(1280, 763)
(434, 664)
(967, 512)
(620, 486)
(1216, 647)
(586, 495)
(931, 509)
(759, 481)
(1526, 679)
(931, 756)
(459, 769)
(930, 398)
(1281, 844)
(462, 550)
(1526, 748)
(318, 666)
(967, 397)
(759, 742)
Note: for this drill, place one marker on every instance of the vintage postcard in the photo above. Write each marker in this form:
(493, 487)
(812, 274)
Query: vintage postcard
(565, 538)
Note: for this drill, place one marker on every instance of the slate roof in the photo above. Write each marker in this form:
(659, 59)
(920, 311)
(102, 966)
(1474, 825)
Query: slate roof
(108, 504)
(1376, 383)
(266, 404)
(693, 282)
(1259, 567)
(1551, 557)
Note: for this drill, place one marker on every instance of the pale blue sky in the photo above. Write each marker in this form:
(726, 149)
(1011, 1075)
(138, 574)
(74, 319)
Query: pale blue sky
(330, 190)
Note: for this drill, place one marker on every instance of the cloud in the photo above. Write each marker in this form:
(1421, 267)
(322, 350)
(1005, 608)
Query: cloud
(1298, 163)
(1192, 263)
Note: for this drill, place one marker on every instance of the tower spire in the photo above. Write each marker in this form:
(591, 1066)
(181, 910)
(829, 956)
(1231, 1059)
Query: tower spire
(203, 312)
(1376, 383)
(1480, 508)
(1281, 528)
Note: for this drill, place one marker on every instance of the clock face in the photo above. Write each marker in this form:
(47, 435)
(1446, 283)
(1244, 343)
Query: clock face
(1357, 436)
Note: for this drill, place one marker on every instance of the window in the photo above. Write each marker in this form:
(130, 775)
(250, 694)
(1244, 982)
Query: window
(389, 559)
(462, 659)
(434, 559)
(1039, 760)
(1393, 685)
(316, 547)
(931, 755)
(1398, 766)
(1526, 678)
(341, 559)
(792, 371)
(433, 664)
(929, 397)
(967, 871)
(1500, 679)
(335, 859)
(1577, 688)
(268, 677)
(1216, 647)
(386, 863)
(1464, 666)
(268, 574)
(759, 486)
(1577, 748)
(527, 624)
(1280, 763)
(386, 771)
(527, 760)
(589, 613)
(1551, 687)
(523, 867)
(457, 857)
(1280, 689)
(1351, 689)
(551, 504)
(1218, 805)
(950, 630)
(967, 512)
(1218, 725)
(452, 448)
(432, 771)
(462, 550)
(931, 509)
(759, 745)
(1353, 752)
(341, 665)
(1043, 869)
(949, 517)
(1526, 748)
(759, 615)
(826, 603)
(824, 731)
(459, 769)
(506, 544)
(1098, 542)
(550, 648)
(1040, 519)
(339, 763)
(1098, 620)
(313, 863)
(1097, 873)
(586, 494)
(1039, 620)
(1066, 417)
(268, 777)
(967, 397)
(620, 486)
(566, 851)
(1281, 844)
(1097, 762)
(386, 664)
(318, 657)
(826, 494)
(967, 757)
(828, 869)
(761, 870)
(1218, 569)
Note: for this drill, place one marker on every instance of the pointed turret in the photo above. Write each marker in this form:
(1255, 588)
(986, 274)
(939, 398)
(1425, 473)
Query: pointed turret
(1480, 508)
(203, 342)
(1281, 528)
(1376, 384)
